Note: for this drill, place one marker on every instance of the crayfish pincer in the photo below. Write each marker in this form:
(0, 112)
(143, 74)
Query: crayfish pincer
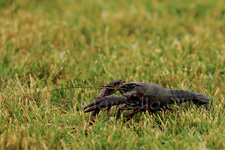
(141, 96)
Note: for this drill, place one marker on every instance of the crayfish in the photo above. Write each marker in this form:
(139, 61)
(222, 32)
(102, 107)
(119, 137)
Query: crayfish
(140, 96)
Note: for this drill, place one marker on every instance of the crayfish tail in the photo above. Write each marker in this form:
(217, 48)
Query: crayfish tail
(201, 99)
(180, 96)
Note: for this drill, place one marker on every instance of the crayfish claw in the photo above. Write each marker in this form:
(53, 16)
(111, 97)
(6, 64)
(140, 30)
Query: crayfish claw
(107, 101)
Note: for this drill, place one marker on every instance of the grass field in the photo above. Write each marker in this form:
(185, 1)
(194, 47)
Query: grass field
(49, 44)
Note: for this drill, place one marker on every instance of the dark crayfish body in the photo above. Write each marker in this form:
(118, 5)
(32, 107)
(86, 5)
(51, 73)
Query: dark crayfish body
(141, 96)
(155, 94)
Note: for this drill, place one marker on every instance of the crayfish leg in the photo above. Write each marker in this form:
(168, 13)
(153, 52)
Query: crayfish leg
(123, 108)
(128, 117)
(93, 115)
(168, 108)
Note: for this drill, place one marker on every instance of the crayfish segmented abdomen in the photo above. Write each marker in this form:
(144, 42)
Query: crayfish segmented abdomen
(179, 96)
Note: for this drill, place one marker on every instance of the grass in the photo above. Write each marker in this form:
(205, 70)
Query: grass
(49, 44)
